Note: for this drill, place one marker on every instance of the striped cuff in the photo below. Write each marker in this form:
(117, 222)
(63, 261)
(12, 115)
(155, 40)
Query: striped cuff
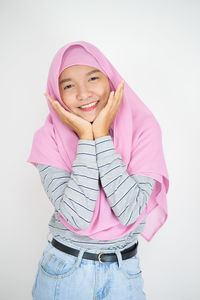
(86, 151)
(104, 147)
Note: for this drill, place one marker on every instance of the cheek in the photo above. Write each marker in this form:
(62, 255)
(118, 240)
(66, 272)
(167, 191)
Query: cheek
(106, 94)
(104, 91)
(68, 101)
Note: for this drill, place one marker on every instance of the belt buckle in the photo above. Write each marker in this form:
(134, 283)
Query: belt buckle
(99, 258)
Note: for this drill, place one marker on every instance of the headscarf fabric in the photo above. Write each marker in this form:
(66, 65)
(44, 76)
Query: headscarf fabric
(136, 136)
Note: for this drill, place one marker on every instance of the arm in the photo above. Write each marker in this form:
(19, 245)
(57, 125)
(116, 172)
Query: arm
(74, 194)
(127, 194)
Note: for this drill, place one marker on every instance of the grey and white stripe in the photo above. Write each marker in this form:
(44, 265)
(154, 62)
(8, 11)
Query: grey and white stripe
(74, 194)
(127, 195)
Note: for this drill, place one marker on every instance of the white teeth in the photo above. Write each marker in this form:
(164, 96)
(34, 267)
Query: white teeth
(89, 105)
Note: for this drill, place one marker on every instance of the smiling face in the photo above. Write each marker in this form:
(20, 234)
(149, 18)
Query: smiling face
(80, 85)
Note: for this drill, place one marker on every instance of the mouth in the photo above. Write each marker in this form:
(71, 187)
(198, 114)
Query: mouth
(89, 107)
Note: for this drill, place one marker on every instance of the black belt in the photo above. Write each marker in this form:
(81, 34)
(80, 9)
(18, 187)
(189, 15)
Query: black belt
(101, 257)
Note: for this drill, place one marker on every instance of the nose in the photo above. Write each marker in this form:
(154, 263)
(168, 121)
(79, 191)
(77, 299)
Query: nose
(83, 93)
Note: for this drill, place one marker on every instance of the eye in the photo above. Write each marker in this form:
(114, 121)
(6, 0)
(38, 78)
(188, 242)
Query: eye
(67, 86)
(94, 78)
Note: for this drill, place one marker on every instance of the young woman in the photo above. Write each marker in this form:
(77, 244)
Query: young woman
(101, 163)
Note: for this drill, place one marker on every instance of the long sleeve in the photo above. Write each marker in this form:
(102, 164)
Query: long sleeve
(126, 194)
(74, 194)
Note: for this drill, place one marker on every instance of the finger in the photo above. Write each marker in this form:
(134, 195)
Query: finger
(51, 99)
(121, 84)
(110, 99)
(121, 96)
(119, 88)
(111, 96)
(48, 96)
(118, 100)
(53, 102)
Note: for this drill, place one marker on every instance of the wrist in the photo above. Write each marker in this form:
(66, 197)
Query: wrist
(86, 137)
(98, 135)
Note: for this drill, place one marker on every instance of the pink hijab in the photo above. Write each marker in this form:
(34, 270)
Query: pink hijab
(136, 135)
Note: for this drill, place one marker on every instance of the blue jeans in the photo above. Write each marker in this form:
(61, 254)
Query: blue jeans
(61, 276)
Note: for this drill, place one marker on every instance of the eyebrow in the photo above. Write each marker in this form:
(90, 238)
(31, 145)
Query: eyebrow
(69, 79)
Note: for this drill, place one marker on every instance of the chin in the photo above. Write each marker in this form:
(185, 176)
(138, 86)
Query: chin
(91, 119)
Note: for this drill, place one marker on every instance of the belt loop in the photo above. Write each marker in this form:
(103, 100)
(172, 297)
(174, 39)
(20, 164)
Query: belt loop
(80, 255)
(119, 257)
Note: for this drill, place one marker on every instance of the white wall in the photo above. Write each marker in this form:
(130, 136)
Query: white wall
(155, 46)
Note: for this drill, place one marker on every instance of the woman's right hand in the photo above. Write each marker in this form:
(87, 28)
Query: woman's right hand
(82, 127)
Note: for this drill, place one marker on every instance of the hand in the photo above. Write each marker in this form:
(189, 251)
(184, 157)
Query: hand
(104, 119)
(82, 127)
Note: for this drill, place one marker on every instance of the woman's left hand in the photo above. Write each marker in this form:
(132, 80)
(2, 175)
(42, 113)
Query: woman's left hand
(104, 119)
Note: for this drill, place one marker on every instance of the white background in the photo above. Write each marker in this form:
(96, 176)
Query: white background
(155, 47)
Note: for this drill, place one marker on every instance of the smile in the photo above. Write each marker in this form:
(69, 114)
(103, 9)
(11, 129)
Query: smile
(90, 106)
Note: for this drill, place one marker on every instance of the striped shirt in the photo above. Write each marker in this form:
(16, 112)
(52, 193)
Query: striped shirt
(74, 194)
